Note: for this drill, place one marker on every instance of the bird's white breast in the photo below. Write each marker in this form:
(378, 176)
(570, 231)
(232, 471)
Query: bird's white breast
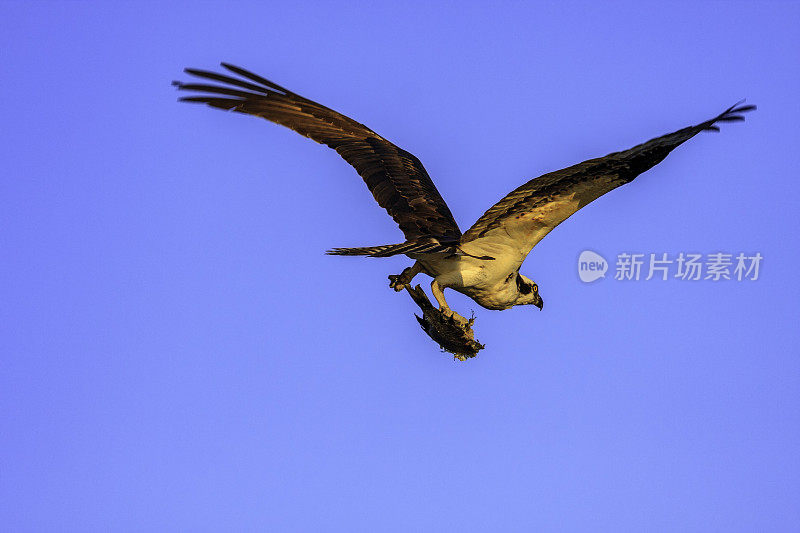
(485, 281)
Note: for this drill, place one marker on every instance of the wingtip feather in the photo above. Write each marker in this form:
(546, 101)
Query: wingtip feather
(745, 108)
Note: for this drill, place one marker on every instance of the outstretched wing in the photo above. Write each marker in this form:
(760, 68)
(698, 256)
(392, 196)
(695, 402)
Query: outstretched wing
(396, 178)
(520, 220)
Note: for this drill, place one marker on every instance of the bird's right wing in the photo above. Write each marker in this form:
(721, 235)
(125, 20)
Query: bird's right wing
(396, 178)
(525, 215)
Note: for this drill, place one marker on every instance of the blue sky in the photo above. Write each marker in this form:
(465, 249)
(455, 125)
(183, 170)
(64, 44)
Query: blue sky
(178, 353)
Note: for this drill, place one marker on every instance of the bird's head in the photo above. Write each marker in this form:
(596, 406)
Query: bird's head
(528, 292)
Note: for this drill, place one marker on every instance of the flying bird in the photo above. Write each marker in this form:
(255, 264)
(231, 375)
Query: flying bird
(484, 261)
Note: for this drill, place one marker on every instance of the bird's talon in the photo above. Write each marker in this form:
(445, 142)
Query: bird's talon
(397, 282)
(455, 317)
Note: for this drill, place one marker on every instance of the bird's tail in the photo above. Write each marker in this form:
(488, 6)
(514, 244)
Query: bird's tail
(387, 250)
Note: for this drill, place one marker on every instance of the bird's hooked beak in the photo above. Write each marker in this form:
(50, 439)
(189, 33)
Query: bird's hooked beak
(539, 302)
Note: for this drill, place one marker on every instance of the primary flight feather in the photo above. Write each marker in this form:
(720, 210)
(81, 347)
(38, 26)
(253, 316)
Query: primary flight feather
(484, 261)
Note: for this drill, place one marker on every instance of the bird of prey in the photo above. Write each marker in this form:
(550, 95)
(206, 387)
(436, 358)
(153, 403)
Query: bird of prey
(483, 262)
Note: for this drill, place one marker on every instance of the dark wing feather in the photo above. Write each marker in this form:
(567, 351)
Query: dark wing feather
(396, 178)
(528, 213)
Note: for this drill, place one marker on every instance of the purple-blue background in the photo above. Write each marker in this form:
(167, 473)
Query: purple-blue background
(178, 354)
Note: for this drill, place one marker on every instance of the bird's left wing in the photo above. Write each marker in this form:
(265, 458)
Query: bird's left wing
(396, 178)
(528, 213)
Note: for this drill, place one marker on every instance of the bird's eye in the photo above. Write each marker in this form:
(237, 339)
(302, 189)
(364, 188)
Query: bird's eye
(535, 288)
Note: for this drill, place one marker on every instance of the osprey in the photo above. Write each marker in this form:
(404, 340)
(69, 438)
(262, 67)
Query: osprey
(483, 262)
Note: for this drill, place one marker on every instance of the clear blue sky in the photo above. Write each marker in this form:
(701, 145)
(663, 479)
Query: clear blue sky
(178, 353)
